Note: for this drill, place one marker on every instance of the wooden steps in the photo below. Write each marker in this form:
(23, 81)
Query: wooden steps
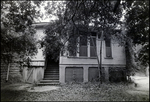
(51, 76)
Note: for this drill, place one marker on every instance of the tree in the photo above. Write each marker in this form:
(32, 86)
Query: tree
(136, 32)
(17, 33)
(137, 24)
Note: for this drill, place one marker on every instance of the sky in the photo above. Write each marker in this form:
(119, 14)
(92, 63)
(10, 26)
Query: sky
(43, 11)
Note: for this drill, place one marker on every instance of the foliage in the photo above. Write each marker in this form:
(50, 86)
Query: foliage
(76, 17)
(137, 24)
(17, 34)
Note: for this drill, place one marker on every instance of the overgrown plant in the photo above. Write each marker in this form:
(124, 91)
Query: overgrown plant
(17, 33)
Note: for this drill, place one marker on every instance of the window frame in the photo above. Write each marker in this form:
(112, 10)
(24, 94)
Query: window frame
(106, 56)
(83, 46)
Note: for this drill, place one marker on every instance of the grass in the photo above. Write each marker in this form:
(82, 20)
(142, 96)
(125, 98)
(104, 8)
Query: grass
(78, 92)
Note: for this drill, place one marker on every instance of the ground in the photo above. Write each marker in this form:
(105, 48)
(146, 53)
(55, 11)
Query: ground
(78, 92)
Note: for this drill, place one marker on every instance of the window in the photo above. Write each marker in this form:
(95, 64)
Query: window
(92, 47)
(83, 46)
(72, 46)
(108, 48)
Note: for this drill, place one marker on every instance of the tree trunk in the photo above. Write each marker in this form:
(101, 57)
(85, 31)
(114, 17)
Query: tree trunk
(97, 61)
(130, 59)
(101, 61)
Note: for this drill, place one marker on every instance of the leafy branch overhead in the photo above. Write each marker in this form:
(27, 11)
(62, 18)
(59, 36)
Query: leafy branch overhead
(17, 33)
(74, 18)
(85, 16)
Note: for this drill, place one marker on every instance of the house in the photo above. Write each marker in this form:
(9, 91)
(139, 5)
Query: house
(82, 66)
(78, 66)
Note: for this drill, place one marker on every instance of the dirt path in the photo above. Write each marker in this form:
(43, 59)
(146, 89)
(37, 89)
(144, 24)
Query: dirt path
(142, 85)
(29, 87)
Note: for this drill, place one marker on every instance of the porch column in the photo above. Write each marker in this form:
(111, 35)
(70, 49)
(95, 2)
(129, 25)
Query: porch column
(88, 46)
(85, 74)
(62, 74)
(106, 74)
(78, 46)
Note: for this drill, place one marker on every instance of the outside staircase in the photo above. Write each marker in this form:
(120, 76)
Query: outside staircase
(51, 76)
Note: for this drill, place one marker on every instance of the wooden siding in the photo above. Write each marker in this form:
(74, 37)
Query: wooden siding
(74, 74)
(14, 69)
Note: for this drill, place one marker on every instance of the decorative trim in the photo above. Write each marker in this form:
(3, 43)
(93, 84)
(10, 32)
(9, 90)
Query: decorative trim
(97, 64)
(81, 57)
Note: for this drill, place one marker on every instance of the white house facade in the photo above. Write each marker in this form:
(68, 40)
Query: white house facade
(81, 66)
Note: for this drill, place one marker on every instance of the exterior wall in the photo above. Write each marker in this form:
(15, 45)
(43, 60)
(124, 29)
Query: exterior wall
(25, 74)
(35, 72)
(33, 75)
(14, 71)
(118, 60)
(39, 35)
(118, 56)
(106, 68)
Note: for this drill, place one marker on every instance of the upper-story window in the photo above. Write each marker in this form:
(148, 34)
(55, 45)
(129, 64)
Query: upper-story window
(83, 46)
(108, 48)
(93, 45)
(72, 46)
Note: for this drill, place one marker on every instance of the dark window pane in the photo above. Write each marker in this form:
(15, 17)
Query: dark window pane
(93, 34)
(72, 46)
(83, 40)
(72, 53)
(94, 40)
(83, 51)
(108, 48)
(108, 51)
(107, 42)
(83, 46)
(92, 51)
